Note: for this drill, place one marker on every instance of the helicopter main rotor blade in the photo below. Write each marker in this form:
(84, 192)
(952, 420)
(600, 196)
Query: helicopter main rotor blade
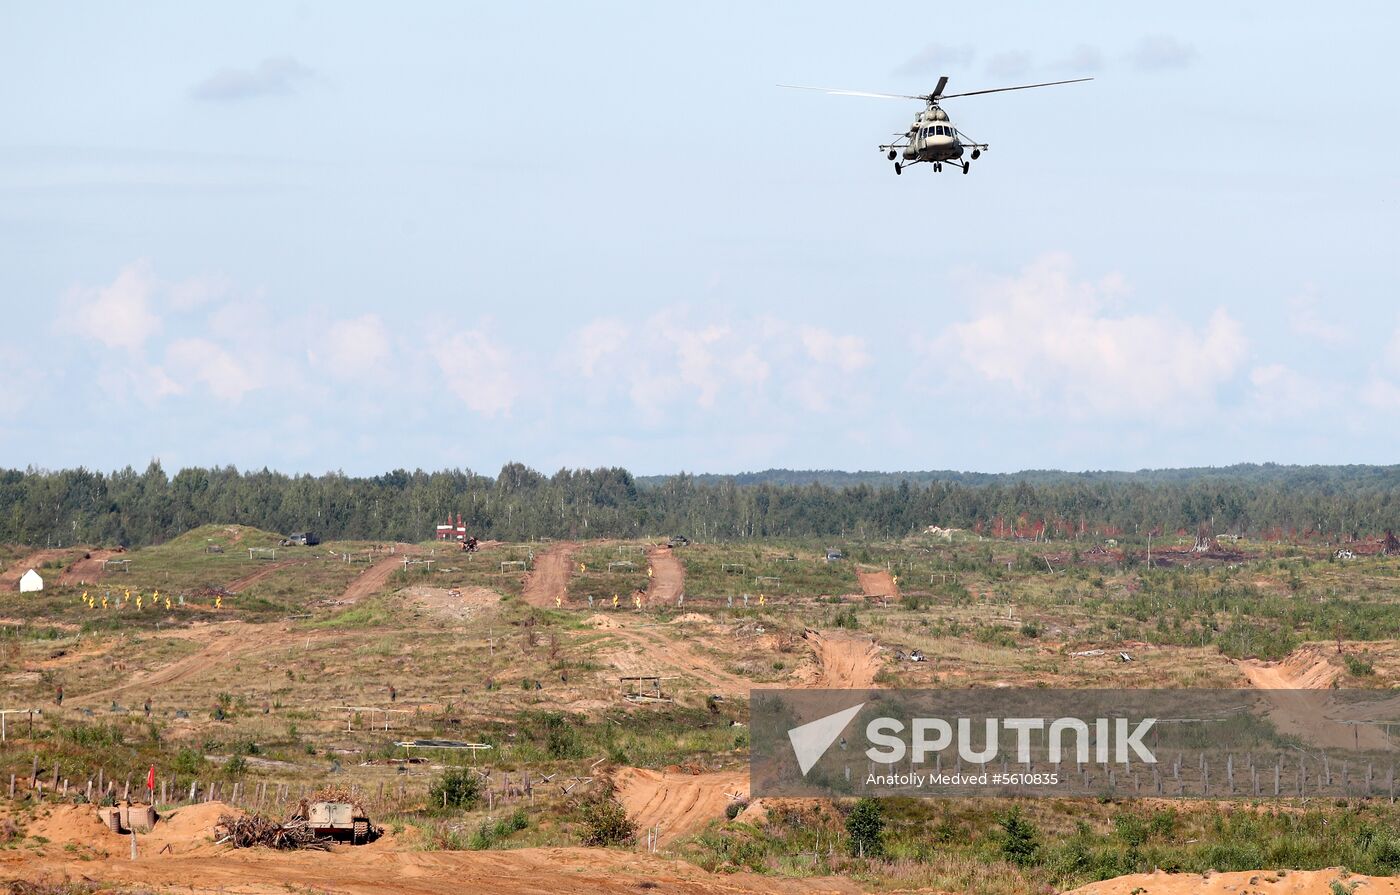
(1021, 87)
(838, 92)
(938, 91)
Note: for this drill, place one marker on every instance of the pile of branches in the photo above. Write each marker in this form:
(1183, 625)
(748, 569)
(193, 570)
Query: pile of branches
(209, 592)
(248, 830)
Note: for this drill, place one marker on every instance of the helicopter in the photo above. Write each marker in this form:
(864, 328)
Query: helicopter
(932, 138)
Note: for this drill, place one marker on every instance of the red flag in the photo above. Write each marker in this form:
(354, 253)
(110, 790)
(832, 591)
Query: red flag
(151, 779)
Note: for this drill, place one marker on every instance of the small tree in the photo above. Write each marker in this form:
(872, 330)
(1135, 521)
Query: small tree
(456, 788)
(1020, 843)
(605, 821)
(866, 827)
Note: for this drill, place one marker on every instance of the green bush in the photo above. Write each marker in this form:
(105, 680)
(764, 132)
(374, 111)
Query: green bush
(455, 788)
(1020, 840)
(866, 827)
(605, 821)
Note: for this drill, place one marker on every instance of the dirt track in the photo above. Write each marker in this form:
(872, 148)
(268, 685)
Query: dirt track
(678, 802)
(548, 581)
(845, 661)
(877, 583)
(373, 579)
(224, 642)
(267, 571)
(652, 651)
(10, 580)
(1246, 882)
(1297, 691)
(86, 571)
(668, 576)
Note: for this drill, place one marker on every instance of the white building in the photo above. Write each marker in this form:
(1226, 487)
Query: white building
(30, 582)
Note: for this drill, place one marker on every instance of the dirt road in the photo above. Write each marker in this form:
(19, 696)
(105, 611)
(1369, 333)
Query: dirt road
(548, 581)
(86, 571)
(1253, 882)
(10, 580)
(383, 869)
(1297, 690)
(649, 648)
(667, 576)
(678, 802)
(877, 583)
(373, 579)
(845, 660)
(224, 642)
(240, 584)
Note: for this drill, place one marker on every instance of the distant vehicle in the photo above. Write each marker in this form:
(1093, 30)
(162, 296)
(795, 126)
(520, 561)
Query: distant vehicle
(932, 138)
(678, 541)
(834, 555)
(338, 820)
(301, 539)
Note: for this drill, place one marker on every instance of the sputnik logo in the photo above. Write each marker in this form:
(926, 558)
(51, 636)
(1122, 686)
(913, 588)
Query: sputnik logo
(811, 740)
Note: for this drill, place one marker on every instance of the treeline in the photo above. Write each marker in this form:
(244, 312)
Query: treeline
(137, 508)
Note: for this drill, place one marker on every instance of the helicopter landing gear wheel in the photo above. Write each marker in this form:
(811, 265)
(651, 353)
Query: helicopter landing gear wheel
(976, 153)
(938, 167)
(892, 155)
(967, 166)
(898, 168)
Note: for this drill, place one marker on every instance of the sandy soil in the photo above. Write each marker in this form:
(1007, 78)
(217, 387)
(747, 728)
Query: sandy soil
(10, 579)
(548, 581)
(1296, 689)
(197, 866)
(877, 583)
(224, 642)
(373, 579)
(458, 604)
(86, 571)
(679, 803)
(845, 661)
(668, 576)
(1247, 882)
(648, 648)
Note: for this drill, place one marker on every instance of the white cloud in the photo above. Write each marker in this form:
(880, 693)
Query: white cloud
(847, 353)
(1050, 338)
(1306, 320)
(352, 348)
(478, 371)
(1280, 391)
(200, 360)
(596, 341)
(120, 314)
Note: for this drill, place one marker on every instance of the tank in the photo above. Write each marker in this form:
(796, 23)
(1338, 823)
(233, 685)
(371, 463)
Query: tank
(338, 820)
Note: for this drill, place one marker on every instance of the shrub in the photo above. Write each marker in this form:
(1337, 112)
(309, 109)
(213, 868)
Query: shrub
(605, 821)
(455, 788)
(866, 827)
(1020, 840)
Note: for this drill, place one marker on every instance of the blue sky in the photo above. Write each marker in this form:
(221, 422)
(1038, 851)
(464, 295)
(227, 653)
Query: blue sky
(323, 236)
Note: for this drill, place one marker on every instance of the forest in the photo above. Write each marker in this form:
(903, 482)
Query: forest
(137, 508)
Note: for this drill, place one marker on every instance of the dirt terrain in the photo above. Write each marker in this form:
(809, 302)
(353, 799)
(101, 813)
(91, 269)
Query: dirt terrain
(1245, 882)
(88, 570)
(647, 648)
(1297, 691)
(373, 579)
(668, 576)
(678, 802)
(845, 661)
(241, 584)
(877, 583)
(548, 582)
(10, 580)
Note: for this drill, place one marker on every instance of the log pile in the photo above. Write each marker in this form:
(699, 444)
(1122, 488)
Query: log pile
(247, 831)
